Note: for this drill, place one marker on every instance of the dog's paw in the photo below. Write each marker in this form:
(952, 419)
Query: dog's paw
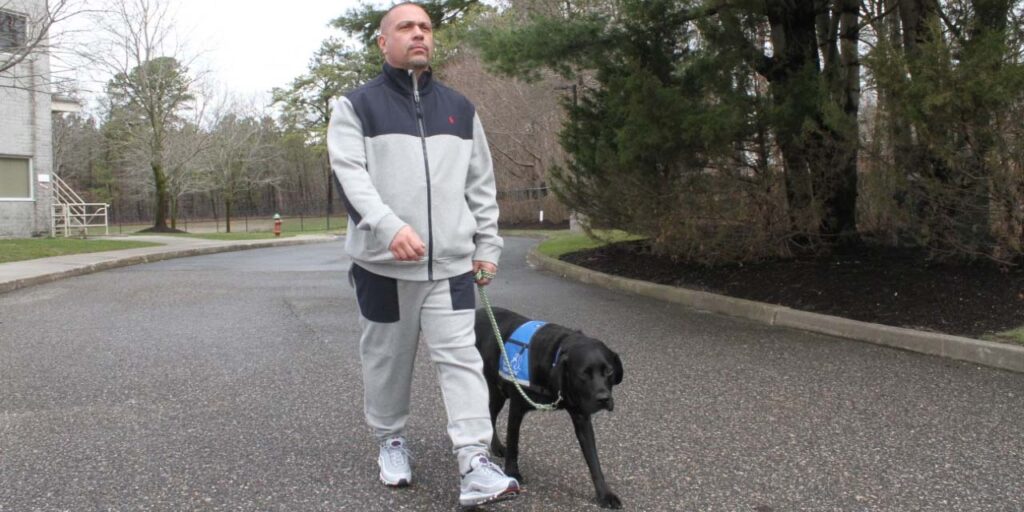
(514, 473)
(609, 500)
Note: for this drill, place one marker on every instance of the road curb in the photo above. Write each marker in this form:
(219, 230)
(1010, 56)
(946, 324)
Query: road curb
(987, 353)
(16, 284)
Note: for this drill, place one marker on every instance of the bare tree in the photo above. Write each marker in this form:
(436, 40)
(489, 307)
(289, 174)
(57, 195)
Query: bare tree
(522, 120)
(26, 32)
(238, 157)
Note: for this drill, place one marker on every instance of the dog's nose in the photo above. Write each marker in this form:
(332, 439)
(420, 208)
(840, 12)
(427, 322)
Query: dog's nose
(606, 403)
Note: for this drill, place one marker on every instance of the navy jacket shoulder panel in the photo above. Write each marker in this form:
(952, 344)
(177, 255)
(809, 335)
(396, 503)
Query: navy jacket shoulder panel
(448, 113)
(383, 110)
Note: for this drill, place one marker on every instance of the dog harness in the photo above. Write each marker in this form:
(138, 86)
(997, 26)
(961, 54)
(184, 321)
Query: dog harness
(517, 347)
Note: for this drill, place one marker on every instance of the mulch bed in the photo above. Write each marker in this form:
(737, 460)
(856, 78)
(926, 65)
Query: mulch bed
(891, 286)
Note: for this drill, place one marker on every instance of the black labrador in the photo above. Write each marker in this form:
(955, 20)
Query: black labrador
(563, 361)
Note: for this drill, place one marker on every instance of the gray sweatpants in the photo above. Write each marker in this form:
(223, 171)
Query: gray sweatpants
(393, 314)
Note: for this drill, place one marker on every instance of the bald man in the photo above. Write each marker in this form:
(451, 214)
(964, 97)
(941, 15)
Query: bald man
(417, 180)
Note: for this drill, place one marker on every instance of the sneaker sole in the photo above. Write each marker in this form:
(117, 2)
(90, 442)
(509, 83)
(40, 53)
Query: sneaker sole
(507, 494)
(402, 482)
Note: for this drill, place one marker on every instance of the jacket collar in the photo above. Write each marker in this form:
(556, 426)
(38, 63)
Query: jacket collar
(400, 80)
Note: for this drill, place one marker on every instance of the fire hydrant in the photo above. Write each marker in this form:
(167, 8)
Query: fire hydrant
(277, 224)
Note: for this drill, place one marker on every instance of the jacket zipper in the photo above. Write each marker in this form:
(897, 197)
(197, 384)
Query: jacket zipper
(426, 169)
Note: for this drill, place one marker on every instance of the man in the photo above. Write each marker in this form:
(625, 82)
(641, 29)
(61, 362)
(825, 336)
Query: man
(417, 180)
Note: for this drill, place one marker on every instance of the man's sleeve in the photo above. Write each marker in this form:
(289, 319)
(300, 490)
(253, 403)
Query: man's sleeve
(347, 151)
(481, 195)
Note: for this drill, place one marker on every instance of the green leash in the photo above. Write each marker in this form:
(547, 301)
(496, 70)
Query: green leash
(483, 274)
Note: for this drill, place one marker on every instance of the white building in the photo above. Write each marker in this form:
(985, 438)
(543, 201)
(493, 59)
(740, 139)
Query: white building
(26, 152)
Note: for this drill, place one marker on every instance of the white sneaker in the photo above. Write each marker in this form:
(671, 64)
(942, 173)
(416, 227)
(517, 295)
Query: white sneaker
(393, 460)
(485, 483)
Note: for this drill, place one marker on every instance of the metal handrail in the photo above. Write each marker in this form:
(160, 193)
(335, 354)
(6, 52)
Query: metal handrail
(64, 193)
(69, 211)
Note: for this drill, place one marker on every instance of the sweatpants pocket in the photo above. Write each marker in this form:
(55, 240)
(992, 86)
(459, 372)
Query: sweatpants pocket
(461, 288)
(377, 295)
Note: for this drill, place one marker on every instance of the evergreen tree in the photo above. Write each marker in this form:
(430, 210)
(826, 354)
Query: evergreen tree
(364, 21)
(685, 105)
(676, 137)
(145, 106)
(948, 76)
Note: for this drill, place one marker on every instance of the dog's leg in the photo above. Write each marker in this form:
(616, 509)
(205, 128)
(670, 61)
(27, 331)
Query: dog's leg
(516, 412)
(497, 402)
(585, 435)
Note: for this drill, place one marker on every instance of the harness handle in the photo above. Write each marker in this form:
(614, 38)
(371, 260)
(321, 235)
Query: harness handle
(483, 274)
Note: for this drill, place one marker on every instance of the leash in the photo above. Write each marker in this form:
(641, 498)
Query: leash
(483, 274)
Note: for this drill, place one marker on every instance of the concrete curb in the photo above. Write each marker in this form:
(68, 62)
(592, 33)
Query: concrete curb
(987, 353)
(15, 284)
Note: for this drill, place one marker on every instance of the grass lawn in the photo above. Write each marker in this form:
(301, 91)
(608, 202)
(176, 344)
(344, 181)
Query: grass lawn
(532, 233)
(1014, 337)
(239, 225)
(20, 249)
(564, 242)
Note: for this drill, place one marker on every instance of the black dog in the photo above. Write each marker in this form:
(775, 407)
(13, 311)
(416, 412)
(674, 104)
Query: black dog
(561, 362)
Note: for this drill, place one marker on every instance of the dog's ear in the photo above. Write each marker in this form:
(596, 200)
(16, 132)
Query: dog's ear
(560, 377)
(617, 367)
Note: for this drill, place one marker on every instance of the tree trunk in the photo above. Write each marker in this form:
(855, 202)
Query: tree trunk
(840, 220)
(162, 198)
(227, 214)
(918, 18)
(820, 157)
(174, 213)
(159, 178)
(793, 75)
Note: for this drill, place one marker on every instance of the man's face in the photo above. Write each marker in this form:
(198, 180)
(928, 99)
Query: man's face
(407, 38)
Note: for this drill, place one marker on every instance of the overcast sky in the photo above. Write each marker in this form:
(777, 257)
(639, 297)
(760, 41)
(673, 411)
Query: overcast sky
(252, 46)
(247, 46)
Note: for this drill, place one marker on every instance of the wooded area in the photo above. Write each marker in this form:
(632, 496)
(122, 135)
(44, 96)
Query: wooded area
(723, 131)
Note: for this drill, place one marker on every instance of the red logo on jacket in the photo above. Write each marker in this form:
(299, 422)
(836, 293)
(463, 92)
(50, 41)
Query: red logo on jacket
(451, 119)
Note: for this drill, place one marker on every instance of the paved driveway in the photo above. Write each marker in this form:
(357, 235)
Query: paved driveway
(231, 382)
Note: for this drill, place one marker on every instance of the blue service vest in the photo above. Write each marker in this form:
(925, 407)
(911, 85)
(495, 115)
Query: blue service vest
(517, 347)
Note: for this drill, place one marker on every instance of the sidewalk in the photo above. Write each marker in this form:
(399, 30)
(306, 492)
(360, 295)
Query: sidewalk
(20, 274)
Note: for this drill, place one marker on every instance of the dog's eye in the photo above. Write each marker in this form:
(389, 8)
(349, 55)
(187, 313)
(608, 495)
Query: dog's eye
(606, 371)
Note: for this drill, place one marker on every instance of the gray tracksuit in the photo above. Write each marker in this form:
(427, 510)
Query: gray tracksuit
(387, 142)
(414, 153)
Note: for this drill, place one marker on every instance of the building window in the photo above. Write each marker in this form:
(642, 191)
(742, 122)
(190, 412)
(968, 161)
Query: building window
(15, 178)
(12, 30)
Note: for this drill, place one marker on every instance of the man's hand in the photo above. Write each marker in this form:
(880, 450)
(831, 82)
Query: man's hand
(486, 266)
(407, 245)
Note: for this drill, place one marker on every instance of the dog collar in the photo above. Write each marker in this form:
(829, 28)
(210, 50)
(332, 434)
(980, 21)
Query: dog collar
(558, 354)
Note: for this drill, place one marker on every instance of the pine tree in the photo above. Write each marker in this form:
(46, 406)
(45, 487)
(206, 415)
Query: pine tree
(690, 107)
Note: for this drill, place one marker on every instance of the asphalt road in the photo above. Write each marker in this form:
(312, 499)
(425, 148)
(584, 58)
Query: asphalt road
(231, 382)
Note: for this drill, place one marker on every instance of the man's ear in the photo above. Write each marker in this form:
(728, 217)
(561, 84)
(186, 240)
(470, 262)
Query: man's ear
(617, 367)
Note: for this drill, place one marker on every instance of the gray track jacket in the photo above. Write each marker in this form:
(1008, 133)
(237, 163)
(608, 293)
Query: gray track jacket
(414, 153)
